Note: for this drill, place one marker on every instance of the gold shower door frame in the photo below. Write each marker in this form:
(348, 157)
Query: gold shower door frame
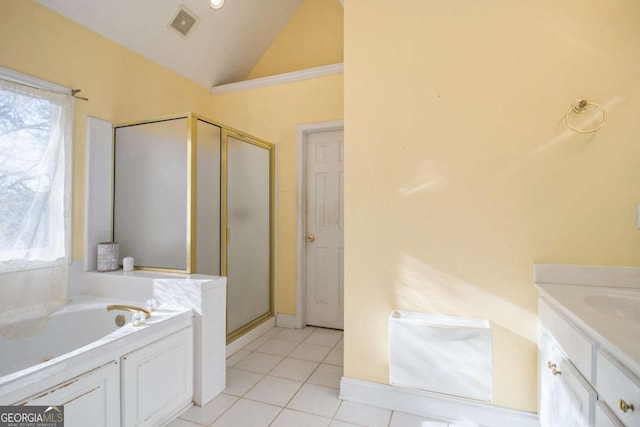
(192, 183)
(244, 137)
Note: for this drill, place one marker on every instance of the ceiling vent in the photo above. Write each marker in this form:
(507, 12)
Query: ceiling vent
(184, 21)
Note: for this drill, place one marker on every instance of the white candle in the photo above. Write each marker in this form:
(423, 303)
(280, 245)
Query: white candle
(127, 263)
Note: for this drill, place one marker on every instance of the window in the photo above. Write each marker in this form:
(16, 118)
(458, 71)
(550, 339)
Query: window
(34, 151)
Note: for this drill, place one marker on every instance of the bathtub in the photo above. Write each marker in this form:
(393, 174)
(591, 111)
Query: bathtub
(81, 339)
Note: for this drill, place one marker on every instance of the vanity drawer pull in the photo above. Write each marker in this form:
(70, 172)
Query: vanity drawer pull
(624, 406)
(553, 368)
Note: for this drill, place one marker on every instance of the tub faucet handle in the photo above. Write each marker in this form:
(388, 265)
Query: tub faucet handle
(151, 304)
(138, 318)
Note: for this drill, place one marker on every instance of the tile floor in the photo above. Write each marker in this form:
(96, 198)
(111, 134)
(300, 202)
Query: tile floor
(291, 378)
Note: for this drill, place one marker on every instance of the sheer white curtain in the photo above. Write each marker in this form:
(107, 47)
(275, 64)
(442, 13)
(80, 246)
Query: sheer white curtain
(35, 162)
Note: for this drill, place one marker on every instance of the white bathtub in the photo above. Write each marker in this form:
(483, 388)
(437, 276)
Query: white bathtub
(78, 340)
(82, 322)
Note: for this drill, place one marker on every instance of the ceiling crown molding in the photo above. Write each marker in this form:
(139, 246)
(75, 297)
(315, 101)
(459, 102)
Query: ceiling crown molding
(309, 73)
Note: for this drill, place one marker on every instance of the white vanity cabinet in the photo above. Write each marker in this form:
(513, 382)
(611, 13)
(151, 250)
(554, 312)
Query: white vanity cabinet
(91, 399)
(157, 380)
(605, 418)
(581, 383)
(566, 397)
(618, 388)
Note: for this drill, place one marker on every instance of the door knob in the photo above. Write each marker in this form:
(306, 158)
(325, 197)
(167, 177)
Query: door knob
(310, 238)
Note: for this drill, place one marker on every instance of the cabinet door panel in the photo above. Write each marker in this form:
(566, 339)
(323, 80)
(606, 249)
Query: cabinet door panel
(604, 417)
(574, 343)
(157, 380)
(566, 399)
(92, 399)
(615, 384)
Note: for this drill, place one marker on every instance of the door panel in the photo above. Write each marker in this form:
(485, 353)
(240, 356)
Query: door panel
(208, 205)
(249, 238)
(325, 230)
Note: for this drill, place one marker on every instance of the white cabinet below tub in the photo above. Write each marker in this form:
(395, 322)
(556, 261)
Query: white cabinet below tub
(91, 399)
(157, 380)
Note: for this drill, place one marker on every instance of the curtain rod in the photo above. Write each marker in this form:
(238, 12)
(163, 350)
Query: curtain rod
(25, 79)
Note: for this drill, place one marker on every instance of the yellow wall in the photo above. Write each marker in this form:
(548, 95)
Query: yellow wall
(313, 37)
(121, 85)
(273, 113)
(454, 116)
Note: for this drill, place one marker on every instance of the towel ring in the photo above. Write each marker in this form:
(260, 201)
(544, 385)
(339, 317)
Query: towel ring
(580, 108)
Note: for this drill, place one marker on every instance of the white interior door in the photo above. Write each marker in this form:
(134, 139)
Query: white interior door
(325, 230)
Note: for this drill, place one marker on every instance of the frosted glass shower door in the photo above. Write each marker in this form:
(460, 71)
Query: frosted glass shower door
(208, 199)
(249, 232)
(167, 209)
(150, 193)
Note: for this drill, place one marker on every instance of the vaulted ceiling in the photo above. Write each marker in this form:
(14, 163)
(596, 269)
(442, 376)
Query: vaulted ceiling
(222, 47)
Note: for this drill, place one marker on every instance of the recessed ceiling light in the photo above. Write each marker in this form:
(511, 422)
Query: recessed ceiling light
(216, 4)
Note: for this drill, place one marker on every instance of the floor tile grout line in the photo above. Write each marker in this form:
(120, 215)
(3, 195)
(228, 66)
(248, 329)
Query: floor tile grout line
(390, 418)
(310, 375)
(331, 418)
(267, 339)
(271, 354)
(304, 382)
(276, 417)
(288, 401)
(251, 388)
(265, 403)
(225, 411)
(316, 368)
(256, 350)
(191, 421)
(288, 356)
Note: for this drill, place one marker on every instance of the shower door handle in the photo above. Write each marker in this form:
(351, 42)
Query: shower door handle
(310, 238)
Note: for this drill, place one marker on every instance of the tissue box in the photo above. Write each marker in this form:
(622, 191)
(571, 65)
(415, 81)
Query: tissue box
(108, 255)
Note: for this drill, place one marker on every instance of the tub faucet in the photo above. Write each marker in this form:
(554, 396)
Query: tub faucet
(131, 308)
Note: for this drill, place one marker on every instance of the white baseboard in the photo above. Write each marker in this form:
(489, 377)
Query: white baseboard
(286, 320)
(434, 405)
(250, 336)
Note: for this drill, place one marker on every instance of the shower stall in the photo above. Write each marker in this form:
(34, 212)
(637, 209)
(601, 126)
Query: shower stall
(194, 196)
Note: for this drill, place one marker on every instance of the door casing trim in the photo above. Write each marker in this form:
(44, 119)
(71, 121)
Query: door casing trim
(301, 213)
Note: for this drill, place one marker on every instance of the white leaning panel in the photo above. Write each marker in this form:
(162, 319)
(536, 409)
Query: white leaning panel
(99, 186)
(443, 354)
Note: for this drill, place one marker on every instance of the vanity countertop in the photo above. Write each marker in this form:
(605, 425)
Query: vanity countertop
(608, 311)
